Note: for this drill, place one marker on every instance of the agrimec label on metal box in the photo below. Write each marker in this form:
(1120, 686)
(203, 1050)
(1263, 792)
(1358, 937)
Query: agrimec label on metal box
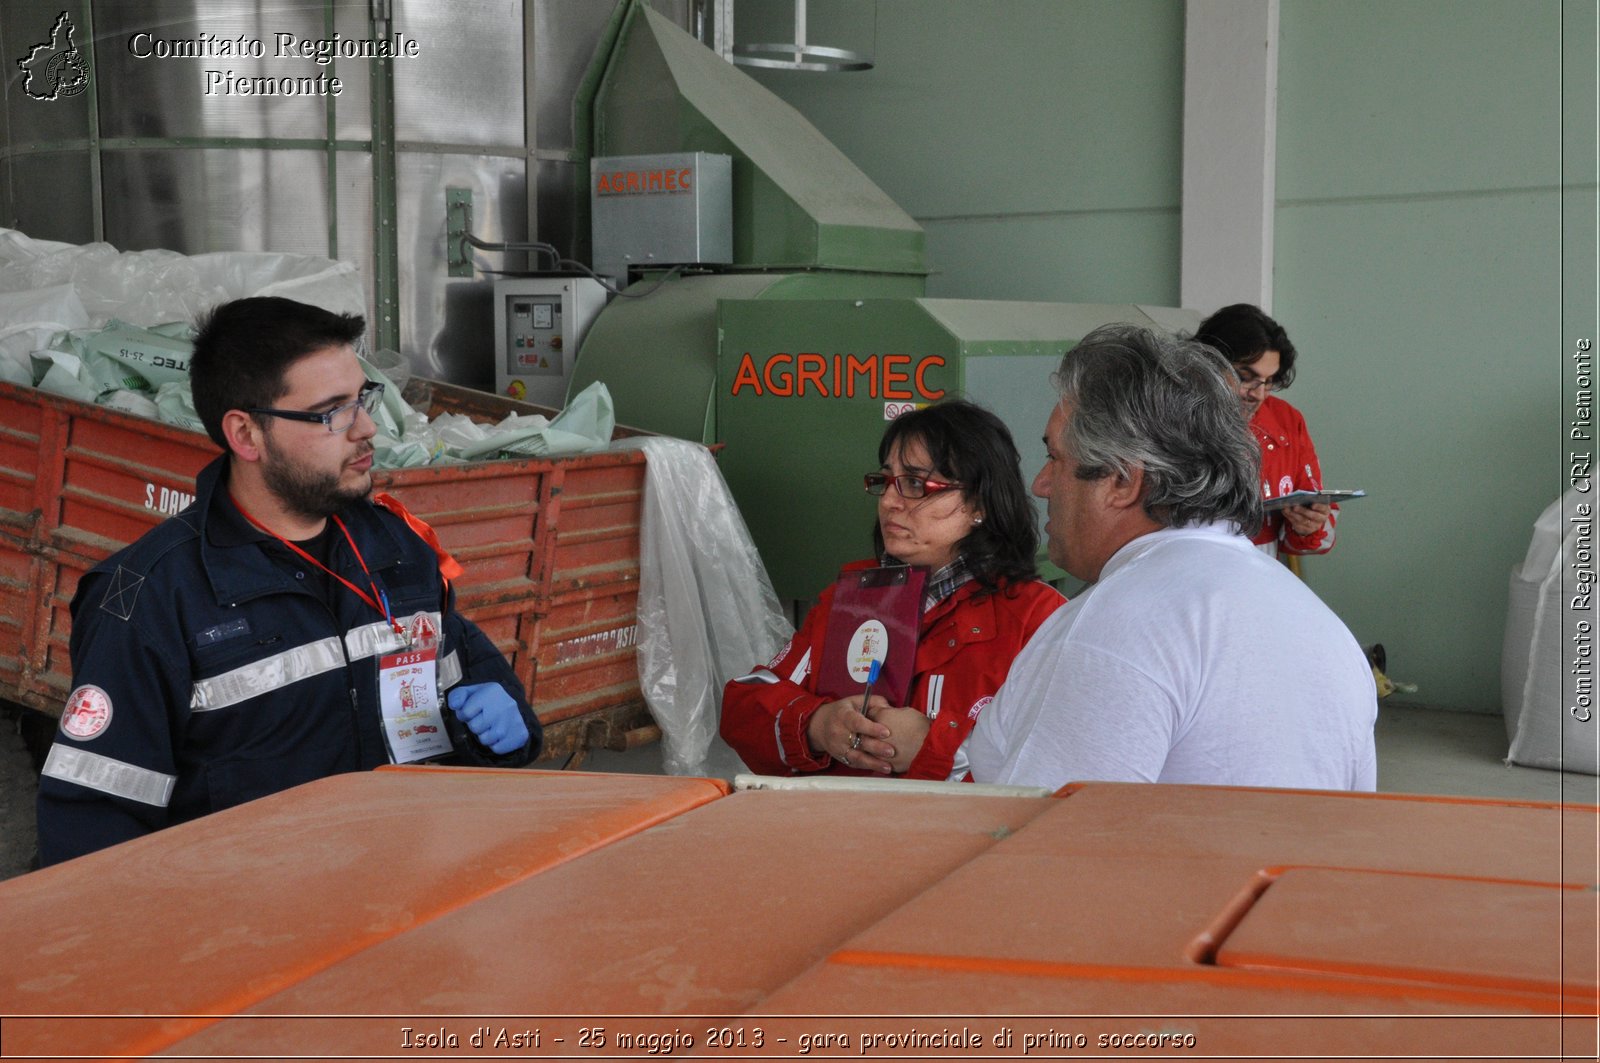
(661, 210)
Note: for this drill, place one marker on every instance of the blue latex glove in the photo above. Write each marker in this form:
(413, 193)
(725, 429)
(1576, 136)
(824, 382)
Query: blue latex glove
(491, 715)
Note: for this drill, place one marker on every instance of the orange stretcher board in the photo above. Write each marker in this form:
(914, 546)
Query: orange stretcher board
(323, 922)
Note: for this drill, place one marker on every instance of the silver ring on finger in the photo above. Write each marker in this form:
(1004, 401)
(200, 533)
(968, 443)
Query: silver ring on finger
(855, 740)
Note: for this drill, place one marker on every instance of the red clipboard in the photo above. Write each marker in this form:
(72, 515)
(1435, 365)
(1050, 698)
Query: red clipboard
(876, 615)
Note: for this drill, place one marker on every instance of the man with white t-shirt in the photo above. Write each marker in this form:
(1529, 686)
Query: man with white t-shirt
(1193, 658)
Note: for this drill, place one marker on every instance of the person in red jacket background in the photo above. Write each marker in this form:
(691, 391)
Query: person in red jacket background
(1263, 362)
(950, 498)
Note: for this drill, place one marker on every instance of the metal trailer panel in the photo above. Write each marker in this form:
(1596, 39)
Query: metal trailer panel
(541, 538)
(1261, 923)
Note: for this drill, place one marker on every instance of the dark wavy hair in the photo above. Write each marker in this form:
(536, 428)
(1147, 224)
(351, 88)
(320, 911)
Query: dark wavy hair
(243, 350)
(1243, 333)
(971, 446)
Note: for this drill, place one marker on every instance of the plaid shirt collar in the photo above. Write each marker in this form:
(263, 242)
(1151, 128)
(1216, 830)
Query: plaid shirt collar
(941, 584)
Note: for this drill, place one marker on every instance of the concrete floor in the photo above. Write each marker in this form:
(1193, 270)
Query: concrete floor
(1419, 752)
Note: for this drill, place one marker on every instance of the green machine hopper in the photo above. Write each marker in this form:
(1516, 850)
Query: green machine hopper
(807, 224)
(797, 353)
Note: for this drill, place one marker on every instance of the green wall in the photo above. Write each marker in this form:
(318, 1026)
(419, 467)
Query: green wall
(1418, 244)
(1039, 142)
(1418, 269)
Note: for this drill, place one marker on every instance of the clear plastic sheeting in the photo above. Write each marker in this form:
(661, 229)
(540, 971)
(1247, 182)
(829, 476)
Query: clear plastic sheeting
(707, 610)
(28, 320)
(113, 327)
(151, 287)
(1538, 690)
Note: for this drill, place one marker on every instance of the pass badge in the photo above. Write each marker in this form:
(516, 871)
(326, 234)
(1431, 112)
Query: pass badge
(408, 690)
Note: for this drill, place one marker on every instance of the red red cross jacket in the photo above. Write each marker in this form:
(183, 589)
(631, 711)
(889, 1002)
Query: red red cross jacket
(965, 649)
(1288, 463)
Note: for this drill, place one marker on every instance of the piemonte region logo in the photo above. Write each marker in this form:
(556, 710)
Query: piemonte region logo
(55, 68)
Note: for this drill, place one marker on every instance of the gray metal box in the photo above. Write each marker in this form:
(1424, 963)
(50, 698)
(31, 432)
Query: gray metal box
(661, 210)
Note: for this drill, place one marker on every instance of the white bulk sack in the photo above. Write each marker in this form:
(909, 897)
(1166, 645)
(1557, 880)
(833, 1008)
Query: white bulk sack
(1542, 675)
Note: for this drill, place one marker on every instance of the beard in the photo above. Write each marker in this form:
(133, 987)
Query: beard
(308, 492)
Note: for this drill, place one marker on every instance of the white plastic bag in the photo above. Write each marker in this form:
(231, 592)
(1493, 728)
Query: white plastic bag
(586, 424)
(147, 288)
(28, 320)
(706, 606)
(1537, 679)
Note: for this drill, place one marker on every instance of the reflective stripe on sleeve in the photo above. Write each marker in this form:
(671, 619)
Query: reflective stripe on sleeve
(760, 675)
(373, 640)
(114, 777)
(801, 670)
(302, 662)
(268, 674)
(370, 640)
(450, 670)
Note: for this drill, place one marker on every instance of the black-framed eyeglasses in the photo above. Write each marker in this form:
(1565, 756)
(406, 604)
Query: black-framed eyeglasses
(1248, 381)
(908, 486)
(337, 420)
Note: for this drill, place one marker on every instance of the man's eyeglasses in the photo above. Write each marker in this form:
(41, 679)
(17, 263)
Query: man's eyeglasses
(1248, 381)
(908, 486)
(340, 418)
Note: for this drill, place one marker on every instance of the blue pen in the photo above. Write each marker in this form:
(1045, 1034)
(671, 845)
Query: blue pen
(872, 677)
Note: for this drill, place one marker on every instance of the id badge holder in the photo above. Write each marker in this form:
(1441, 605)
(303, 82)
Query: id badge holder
(408, 693)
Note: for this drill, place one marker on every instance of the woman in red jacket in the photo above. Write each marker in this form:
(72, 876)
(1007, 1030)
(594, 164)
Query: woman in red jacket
(1263, 362)
(950, 498)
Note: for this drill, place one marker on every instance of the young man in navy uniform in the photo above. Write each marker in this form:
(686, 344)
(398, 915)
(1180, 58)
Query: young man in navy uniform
(282, 628)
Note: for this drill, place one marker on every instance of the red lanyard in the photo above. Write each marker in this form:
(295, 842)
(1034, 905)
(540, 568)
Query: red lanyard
(377, 599)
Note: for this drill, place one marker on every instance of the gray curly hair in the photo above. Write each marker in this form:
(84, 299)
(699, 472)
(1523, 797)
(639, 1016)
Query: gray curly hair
(1144, 400)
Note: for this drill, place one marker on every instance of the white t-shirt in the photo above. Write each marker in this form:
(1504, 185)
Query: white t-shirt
(1194, 659)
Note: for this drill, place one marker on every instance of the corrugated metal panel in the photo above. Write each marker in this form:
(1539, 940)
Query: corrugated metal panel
(67, 213)
(353, 214)
(447, 326)
(466, 85)
(168, 96)
(217, 199)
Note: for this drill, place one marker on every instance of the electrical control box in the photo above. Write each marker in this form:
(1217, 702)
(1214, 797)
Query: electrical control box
(539, 323)
(661, 210)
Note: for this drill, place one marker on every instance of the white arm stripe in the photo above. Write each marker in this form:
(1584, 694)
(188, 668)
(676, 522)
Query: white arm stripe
(114, 777)
(373, 639)
(450, 670)
(760, 675)
(268, 674)
(801, 670)
(303, 662)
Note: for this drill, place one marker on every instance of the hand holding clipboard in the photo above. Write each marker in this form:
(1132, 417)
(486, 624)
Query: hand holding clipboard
(869, 652)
